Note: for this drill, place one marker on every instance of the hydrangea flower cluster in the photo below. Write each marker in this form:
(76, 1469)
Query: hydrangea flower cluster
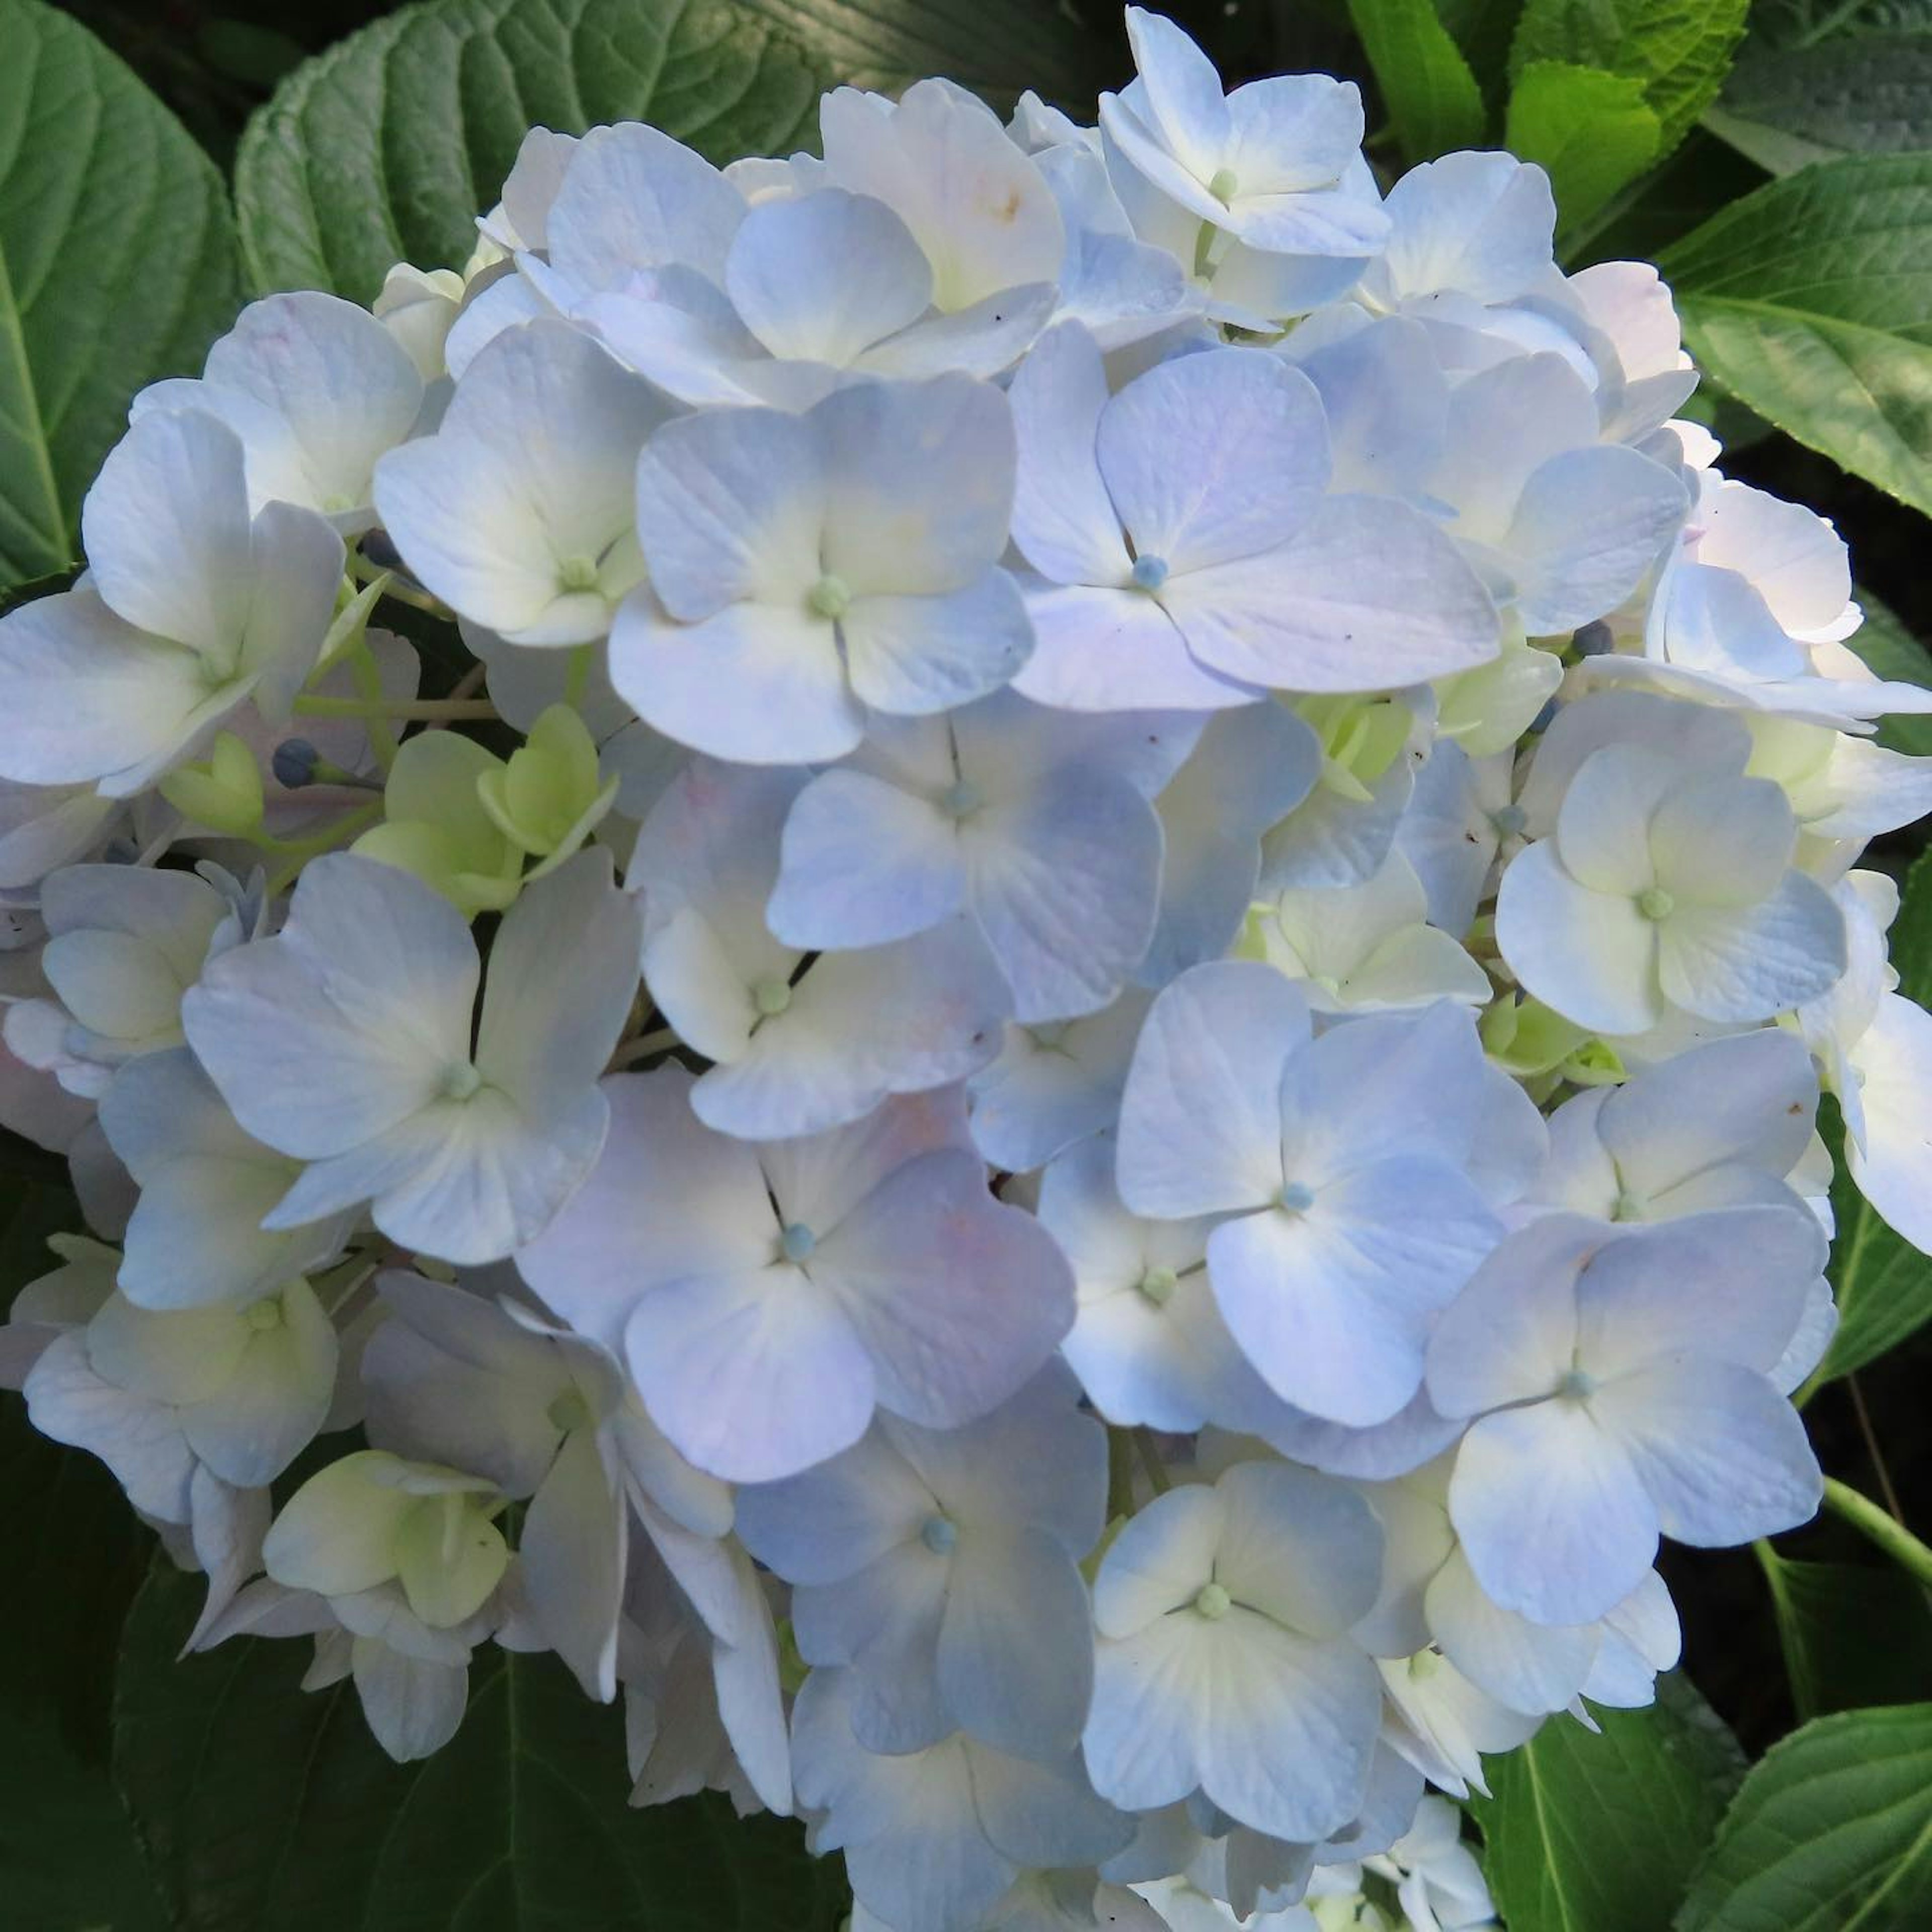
(1092, 1090)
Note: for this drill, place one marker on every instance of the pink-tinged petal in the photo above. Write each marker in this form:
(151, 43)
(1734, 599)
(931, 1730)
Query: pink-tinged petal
(956, 1298)
(753, 1375)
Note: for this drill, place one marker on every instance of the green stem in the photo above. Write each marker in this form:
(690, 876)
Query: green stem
(364, 571)
(1150, 1455)
(1120, 1473)
(1204, 250)
(630, 1052)
(409, 711)
(296, 853)
(1886, 1532)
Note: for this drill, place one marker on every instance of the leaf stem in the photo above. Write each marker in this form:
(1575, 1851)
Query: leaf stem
(1871, 1522)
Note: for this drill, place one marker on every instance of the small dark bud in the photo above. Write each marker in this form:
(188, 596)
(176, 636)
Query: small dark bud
(295, 763)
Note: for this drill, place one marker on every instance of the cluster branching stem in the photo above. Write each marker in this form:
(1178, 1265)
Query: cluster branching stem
(1885, 1531)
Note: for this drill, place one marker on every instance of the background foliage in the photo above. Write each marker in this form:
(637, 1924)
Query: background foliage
(161, 159)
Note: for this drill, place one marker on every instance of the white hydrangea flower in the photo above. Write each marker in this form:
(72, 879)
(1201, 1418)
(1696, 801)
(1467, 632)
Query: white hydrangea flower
(937, 156)
(1160, 585)
(818, 288)
(1467, 233)
(1366, 948)
(1225, 1660)
(124, 944)
(1723, 1124)
(1664, 886)
(1611, 1409)
(799, 1046)
(940, 1566)
(238, 1391)
(317, 389)
(1361, 1172)
(933, 1839)
(1054, 1083)
(1561, 526)
(1443, 1726)
(195, 1237)
(517, 511)
(345, 1042)
(805, 568)
(1035, 824)
(768, 1296)
(1264, 164)
(1148, 1343)
(194, 605)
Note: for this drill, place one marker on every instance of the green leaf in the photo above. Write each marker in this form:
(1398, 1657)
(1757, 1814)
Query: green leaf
(1679, 50)
(262, 1805)
(1852, 1633)
(1787, 108)
(1600, 1833)
(387, 147)
(1482, 29)
(1811, 300)
(998, 47)
(1433, 102)
(118, 266)
(1888, 648)
(1797, 24)
(1883, 1284)
(75, 1552)
(1832, 1832)
(1591, 131)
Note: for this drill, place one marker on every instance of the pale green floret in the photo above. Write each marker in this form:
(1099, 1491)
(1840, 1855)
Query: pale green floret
(1212, 1602)
(829, 597)
(461, 1080)
(1158, 1285)
(1222, 185)
(1361, 738)
(1508, 820)
(547, 799)
(771, 997)
(1295, 1198)
(1150, 572)
(797, 1242)
(577, 573)
(939, 1534)
(1654, 903)
(568, 1411)
(265, 1316)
